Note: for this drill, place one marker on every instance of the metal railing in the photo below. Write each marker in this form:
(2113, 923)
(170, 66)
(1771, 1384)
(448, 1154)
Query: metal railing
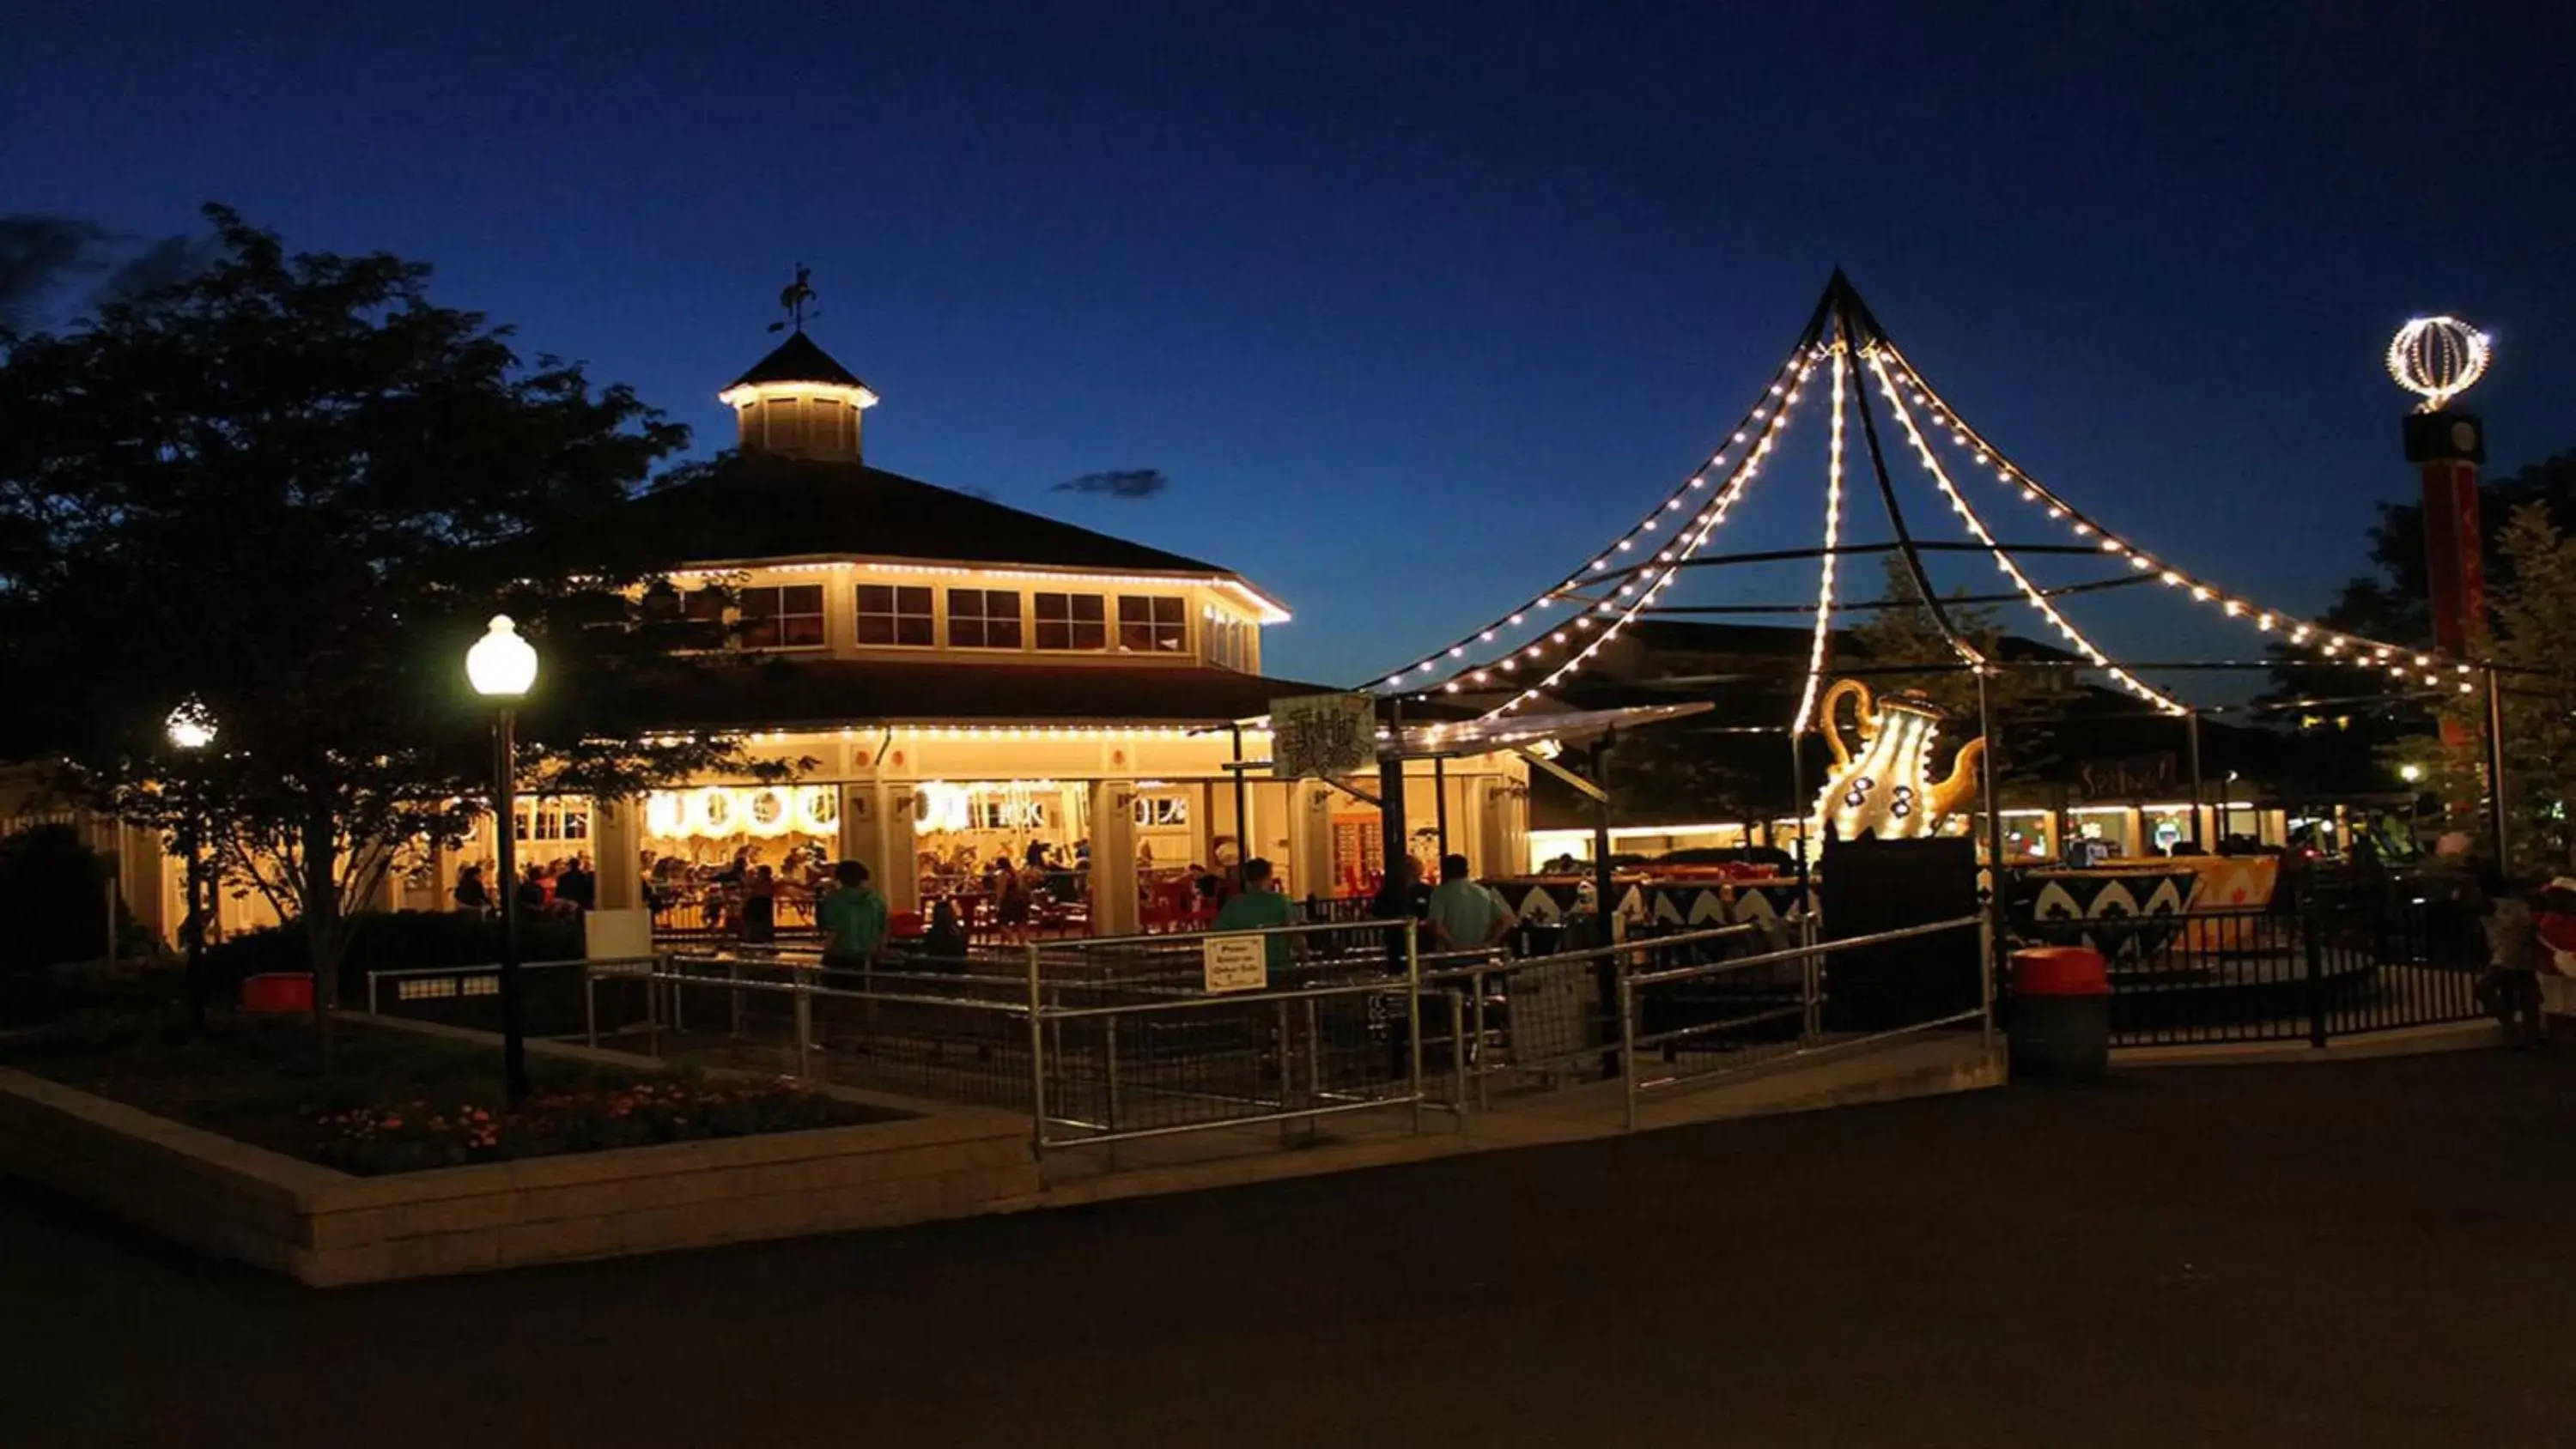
(1106, 1041)
(2323, 970)
(1791, 1023)
(561, 997)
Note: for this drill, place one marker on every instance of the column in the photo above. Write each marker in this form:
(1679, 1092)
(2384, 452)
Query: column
(1310, 839)
(617, 849)
(1113, 858)
(876, 831)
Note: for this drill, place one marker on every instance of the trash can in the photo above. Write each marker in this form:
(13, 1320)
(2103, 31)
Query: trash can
(2061, 1013)
(277, 993)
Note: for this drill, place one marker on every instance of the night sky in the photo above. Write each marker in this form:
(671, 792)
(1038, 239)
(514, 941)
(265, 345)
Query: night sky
(1418, 305)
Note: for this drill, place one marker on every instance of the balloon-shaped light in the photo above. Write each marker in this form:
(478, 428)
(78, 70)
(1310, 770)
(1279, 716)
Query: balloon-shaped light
(2438, 358)
(501, 664)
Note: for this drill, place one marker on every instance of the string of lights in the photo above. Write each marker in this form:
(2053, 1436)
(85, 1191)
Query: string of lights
(2399, 660)
(2031, 593)
(1648, 586)
(1833, 537)
(1764, 411)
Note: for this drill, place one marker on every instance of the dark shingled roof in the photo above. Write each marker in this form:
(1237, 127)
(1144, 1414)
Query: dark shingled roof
(798, 360)
(784, 693)
(758, 506)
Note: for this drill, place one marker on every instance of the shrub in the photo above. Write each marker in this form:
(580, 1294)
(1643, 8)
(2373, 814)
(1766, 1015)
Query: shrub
(52, 889)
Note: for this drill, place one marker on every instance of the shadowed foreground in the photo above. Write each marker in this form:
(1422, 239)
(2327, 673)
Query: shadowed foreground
(2359, 1253)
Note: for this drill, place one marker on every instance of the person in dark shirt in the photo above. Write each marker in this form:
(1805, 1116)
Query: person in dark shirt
(471, 894)
(577, 885)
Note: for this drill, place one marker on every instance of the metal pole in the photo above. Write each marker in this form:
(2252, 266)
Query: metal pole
(1413, 1010)
(505, 822)
(1037, 1051)
(1603, 908)
(804, 1027)
(1628, 1049)
(2495, 773)
(1286, 1086)
(1476, 983)
(1994, 863)
(589, 1005)
(195, 926)
(2191, 733)
(1457, 1058)
(1440, 799)
(371, 993)
(1242, 809)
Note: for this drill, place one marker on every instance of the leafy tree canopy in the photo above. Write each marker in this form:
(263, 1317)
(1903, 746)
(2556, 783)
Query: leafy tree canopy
(291, 486)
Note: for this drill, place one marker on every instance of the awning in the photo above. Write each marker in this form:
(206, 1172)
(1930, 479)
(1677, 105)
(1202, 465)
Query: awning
(1485, 736)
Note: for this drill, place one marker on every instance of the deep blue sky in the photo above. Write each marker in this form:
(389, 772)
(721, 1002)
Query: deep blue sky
(1419, 304)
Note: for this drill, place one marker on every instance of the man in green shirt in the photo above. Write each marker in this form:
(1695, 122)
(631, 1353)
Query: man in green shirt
(1466, 916)
(853, 918)
(1259, 906)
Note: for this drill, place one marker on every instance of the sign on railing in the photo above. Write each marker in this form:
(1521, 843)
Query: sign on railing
(1235, 962)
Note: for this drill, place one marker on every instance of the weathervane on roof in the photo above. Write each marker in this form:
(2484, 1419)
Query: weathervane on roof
(793, 297)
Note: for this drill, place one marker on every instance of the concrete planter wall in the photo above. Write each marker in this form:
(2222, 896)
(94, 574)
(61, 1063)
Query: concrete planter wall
(329, 1228)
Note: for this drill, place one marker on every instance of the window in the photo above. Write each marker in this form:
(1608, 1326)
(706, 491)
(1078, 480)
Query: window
(706, 606)
(786, 424)
(787, 617)
(896, 614)
(1072, 621)
(828, 417)
(983, 618)
(1151, 626)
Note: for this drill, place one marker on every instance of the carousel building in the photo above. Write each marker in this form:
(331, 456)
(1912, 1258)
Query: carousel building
(959, 679)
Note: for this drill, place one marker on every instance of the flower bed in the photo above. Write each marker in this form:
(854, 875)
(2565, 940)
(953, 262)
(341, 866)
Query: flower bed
(398, 1102)
(427, 1133)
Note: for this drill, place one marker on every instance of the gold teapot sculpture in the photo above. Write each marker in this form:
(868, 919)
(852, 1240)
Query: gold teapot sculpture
(1882, 786)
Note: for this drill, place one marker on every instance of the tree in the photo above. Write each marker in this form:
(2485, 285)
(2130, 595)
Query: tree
(2534, 619)
(293, 488)
(2022, 702)
(2357, 723)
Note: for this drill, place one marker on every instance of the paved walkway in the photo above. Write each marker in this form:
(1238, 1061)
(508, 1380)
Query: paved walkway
(2369, 1253)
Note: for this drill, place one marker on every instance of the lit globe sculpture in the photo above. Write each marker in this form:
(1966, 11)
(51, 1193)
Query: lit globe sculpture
(2437, 359)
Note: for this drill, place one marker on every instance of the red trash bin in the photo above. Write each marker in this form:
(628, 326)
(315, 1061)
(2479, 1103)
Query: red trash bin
(2061, 1013)
(277, 993)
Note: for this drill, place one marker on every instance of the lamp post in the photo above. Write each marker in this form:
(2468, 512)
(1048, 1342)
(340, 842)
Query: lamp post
(191, 727)
(502, 666)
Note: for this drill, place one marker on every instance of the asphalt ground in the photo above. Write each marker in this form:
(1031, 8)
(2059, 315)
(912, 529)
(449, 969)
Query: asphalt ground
(2356, 1253)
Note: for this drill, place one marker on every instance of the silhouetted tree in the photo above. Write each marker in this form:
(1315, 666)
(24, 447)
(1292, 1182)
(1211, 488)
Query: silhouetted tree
(291, 486)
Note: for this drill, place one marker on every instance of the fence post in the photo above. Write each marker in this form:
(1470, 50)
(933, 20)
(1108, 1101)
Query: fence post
(1413, 1011)
(1476, 984)
(804, 1027)
(1037, 1052)
(733, 971)
(589, 1005)
(1285, 1071)
(1457, 1058)
(1628, 1049)
(2310, 920)
(371, 993)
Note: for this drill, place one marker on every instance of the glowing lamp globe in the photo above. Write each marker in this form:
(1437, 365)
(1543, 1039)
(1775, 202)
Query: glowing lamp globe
(2438, 358)
(191, 726)
(501, 664)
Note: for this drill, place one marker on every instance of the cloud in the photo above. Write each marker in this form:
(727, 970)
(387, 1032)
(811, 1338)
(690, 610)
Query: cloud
(1118, 483)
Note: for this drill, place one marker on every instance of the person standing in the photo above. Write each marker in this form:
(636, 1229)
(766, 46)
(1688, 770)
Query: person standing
(1259, 906)
(853, 918)
(577, 886)
(1466, 916)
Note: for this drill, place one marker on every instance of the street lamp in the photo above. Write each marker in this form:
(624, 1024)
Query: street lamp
(502, 666)
(2410, 773)
(191, 727)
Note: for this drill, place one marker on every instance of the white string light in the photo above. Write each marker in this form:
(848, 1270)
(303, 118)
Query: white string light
(2003, 560)
(1833, 538)
(1790, 371)
(1747, 468)
(2328, 642)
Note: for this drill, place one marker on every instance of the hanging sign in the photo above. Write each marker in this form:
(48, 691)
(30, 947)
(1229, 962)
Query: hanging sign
(1235, 962)
(1322, 734)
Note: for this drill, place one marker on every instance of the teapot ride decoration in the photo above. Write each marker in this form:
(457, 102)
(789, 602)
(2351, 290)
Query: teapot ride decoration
(1882, 787)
